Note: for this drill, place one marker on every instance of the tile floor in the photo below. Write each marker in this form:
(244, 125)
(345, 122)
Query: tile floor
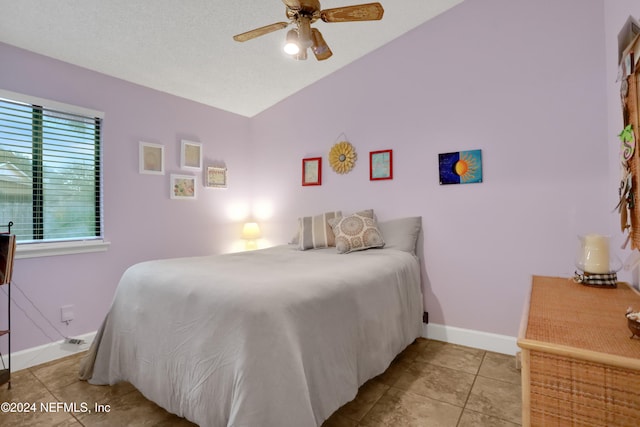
(429, 384)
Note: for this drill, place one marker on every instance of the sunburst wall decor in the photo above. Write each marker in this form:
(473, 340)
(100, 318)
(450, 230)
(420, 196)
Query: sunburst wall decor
(342, 157)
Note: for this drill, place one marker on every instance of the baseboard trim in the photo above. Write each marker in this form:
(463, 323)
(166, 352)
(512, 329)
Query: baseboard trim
(484, 340)
(47, 352)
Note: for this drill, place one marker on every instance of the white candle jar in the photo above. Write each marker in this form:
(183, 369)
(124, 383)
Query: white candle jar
(594, 255)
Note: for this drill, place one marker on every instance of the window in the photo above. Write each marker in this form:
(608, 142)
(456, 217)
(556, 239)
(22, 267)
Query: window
(50, 170)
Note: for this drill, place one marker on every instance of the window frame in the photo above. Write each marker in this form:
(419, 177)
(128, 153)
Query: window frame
(32, 249)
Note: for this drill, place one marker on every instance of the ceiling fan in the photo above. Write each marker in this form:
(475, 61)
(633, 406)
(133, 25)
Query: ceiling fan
(303, 13)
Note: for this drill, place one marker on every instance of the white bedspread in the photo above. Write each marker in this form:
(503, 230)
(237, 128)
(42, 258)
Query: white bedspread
(269, 338)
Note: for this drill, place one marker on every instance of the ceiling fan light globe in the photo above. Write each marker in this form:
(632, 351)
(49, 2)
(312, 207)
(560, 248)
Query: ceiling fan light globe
(291, 48)
(292, 43)
(301, 56)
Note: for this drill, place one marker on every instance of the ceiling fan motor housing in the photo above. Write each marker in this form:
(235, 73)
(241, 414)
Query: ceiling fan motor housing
(296, 9)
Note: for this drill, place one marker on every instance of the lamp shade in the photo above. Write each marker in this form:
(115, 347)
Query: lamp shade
(251, 231)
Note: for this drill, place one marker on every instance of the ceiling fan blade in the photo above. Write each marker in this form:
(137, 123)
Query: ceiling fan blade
(320, 47)
(360, 12)
(260, 31)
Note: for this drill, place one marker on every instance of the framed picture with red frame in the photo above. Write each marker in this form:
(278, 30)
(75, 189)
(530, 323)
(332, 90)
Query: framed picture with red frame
(312, 171)
(380, 165)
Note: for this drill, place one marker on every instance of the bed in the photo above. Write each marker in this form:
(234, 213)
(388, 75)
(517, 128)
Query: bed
(271, 337)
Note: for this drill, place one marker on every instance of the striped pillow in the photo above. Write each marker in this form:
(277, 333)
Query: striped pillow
(315, 231)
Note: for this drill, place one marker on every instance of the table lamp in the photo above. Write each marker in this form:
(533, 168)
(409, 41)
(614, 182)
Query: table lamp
(251, 232)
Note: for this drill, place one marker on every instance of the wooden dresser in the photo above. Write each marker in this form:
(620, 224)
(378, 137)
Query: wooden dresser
(579, 365)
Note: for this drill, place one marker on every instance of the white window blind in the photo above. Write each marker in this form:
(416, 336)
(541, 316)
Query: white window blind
(50, 170)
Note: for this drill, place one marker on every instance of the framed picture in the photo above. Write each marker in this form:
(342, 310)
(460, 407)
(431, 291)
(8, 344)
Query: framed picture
(183, 187)
(380, 165)
(312, 171)
(216, 177)
(151, 158)
(460, 167)
(191, 155)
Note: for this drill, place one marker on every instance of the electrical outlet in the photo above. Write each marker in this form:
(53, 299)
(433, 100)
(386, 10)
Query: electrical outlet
(66, 314)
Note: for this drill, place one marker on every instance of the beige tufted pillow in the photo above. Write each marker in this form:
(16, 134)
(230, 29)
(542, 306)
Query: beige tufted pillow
(356, 232)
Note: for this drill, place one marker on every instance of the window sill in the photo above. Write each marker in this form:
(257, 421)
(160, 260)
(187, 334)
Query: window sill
(35, 250)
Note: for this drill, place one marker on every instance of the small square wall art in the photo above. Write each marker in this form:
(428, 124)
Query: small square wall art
(151, 158)
(216, 177)
(183, 187)
(191, 155)
(461, 167)
(380, 165)
(312, 171)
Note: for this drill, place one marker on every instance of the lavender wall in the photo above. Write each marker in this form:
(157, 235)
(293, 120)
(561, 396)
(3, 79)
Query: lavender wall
(524, 82)
(141, 222)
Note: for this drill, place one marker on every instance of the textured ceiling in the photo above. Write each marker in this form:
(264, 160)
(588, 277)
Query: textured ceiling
(185, 47)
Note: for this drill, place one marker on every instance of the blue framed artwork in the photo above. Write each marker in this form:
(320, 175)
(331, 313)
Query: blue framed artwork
(461, 167)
